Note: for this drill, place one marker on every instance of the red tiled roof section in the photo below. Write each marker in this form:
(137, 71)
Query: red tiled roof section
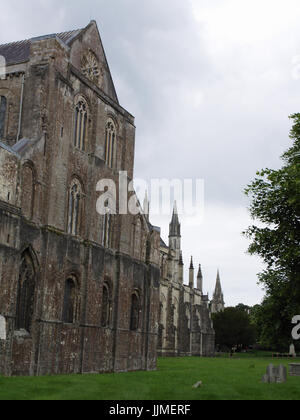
(18, 52)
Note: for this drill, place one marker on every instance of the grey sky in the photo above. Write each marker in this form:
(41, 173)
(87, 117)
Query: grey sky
(211, 84)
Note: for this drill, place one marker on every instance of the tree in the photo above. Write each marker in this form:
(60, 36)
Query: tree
(275, 196)
(233, 328)
(244, 308)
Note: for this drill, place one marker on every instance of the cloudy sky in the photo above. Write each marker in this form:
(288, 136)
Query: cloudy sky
(211, 84)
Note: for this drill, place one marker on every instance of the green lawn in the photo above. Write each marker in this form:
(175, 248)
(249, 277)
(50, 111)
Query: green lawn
(223, 379)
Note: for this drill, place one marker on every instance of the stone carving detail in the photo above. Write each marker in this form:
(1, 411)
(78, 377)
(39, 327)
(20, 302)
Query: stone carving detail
(91, 69)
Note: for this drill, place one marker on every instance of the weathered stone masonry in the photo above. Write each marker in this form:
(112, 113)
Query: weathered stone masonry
(185, 324)
(76, 294)
(82, 292)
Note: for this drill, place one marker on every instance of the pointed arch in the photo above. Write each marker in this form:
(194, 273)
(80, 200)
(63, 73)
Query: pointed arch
(107, 226)
(26, 291)
(106, 312)
(71, 302)
(76, 207)
(110, 142)
(135, 311)
(81, 119)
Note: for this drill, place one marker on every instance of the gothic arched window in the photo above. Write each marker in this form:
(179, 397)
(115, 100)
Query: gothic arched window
(26, 291)
(107, 222)
(75, 208)
(107, 226)
(110, 143)
(3, 107)
(135, 312)
(69, 306)
(81, 120)
(106, 306)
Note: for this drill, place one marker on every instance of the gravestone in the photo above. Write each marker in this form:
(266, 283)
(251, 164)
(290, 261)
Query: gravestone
(282, 374)
(275, 375)
(292, 350)
(271, 373)
(295, 369)
(2, 328)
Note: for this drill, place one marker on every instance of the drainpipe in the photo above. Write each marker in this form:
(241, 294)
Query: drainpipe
(21, 108)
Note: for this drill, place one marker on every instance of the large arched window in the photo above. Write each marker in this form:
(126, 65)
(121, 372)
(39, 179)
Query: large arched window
(81, 123)
(135, 312)
(75, 207)
(106, 306)
(110, 143)
(69, 306)
(26, 291)
(3, 107)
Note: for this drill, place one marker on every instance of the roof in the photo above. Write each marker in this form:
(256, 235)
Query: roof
(18, 52)
(22, 145)
(8, 149)
(163, 244)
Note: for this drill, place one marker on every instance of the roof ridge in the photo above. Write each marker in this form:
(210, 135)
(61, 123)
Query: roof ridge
(42, 36)
(18, 51)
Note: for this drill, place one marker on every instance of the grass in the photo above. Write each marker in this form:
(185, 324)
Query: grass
(223, 379)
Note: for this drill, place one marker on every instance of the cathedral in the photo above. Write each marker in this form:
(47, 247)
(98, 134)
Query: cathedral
(185, 327)
(80, 291)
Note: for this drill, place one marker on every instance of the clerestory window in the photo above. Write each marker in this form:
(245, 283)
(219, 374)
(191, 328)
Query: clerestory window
(81, 122)
(75, 208)
(110, 143)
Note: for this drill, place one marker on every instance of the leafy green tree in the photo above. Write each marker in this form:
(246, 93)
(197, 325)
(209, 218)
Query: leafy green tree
(233, 328)
(243, 307)
(275, 196)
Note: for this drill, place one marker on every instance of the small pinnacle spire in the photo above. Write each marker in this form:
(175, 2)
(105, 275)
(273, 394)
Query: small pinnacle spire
(218, 283)
(192, 264)
(200, 280)
(191, 277)
(218, 303)
(181, 259)
(218, 290)
(175, 225)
